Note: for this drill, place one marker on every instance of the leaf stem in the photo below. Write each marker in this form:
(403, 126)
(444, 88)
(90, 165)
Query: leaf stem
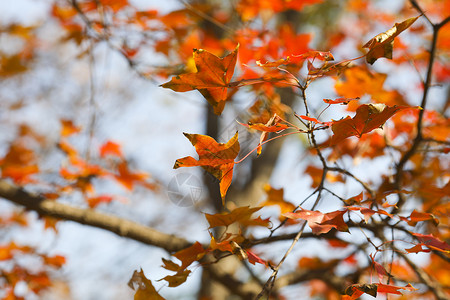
(269, 140)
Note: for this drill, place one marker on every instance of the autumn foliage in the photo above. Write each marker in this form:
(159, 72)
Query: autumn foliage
(366, 111)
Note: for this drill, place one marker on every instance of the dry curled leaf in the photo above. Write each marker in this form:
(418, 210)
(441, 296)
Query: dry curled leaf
(382, 45)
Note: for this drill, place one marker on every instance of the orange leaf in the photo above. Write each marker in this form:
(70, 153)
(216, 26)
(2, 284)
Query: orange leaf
(67, 149)
(355, 199)
(273, 64)
(222, 246)
(275, 197)
(368, 117)
(267, 128)
(68, 128)
(215, 158)
(391, 289)
(342, 101)
(128, 178)
(315, 120)
(354, 291)
(326, 56)
(211, 79)
(189, 255)
(271, 126)
(417, 248)
(56, 261)
(421, 216)
(94, 201)
(383, 44)
(241, 214)
(19, 163)
(110, 148)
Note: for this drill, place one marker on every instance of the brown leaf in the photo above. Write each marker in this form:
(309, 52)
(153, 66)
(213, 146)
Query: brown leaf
(243, 215)
(189, 255)
(145, 289)
(368, 117)
(383, 44)
(177, 279)
(319, 222)
(271, 126)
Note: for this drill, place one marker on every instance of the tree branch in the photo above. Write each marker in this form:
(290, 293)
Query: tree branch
(418, 139)
(119, 226)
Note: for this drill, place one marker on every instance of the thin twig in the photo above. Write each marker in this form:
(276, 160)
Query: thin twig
(418, 139)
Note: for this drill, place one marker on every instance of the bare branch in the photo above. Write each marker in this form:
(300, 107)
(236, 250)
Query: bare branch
(119, 226)
(419, 138)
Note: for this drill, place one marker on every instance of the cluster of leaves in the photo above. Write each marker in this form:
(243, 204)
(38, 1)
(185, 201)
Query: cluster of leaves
(209, 81)
(264, 58)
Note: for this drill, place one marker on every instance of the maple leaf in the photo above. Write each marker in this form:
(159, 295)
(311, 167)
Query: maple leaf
(381, 271)
(190, 254)
(215, 158)
(273, 64)
(392, 289)
(271, 126)
(319, 222)
(383, 44)
(68, 128)
(241, 214)
(56, 261)
(211, 79)
(275, 197)
(416, 217)
(170, 265)
(368, 117)
(222, 246)
(342, 101)
(253, 258)
(177, 279)
(367, 212)
(110, 148)
(128, 178)
(95, 201)
(145, 289)
(311, 119)
(320, 55)
(354, 291)
(432, 242)
(19, 163)
(417, 248)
